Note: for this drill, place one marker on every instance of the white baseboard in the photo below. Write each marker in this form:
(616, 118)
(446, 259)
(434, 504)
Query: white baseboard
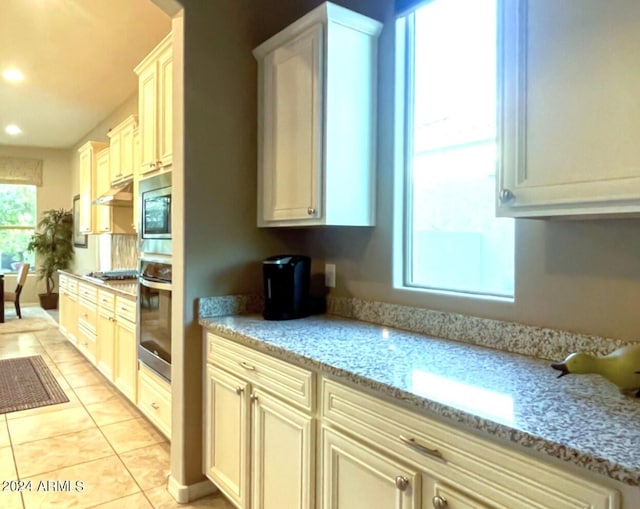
(188, 493)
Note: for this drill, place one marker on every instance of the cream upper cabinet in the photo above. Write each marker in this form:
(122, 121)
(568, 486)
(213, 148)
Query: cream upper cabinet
(572, 116)
(122, 148)
(88, 164)
(155, 107)
(102, 213)
(259, 428)
(106, 218)
(317, 122)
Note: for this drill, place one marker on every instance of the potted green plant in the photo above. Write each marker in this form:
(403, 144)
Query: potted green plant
(53, 246)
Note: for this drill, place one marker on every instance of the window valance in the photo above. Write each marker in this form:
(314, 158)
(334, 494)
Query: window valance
(20, 170)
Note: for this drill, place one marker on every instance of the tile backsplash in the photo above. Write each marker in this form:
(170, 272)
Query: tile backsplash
(118, 252)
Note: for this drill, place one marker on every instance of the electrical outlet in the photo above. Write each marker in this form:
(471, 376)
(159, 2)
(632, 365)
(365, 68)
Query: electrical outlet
(330, 275)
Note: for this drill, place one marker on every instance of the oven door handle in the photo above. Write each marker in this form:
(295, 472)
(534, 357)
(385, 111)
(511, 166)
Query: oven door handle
(155, 285)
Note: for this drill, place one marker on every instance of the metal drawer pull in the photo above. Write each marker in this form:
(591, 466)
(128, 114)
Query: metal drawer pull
(247, 366)
(239, 390)
(411, 442)
(253, 398)
(439, 502)
(154, 405)
(402, 483)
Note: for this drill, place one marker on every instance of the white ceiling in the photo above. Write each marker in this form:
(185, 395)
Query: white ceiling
(78, 58)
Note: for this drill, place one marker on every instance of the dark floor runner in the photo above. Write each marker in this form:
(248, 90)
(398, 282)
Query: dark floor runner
(26, 382)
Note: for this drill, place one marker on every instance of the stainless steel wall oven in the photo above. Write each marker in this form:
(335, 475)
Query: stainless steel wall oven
(154, 298)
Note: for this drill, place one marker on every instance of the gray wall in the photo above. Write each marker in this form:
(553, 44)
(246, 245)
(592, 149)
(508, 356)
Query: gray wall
(582, 276)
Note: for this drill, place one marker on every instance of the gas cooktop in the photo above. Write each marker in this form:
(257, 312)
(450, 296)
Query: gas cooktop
(114, 275)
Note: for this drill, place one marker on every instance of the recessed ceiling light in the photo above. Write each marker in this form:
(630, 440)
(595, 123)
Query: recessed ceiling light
(12, 129)
(12, 74)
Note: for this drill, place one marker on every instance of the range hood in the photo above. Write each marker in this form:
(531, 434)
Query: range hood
(120, 195)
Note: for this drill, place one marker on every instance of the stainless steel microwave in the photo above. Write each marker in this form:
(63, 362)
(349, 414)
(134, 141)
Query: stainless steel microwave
(155, 214)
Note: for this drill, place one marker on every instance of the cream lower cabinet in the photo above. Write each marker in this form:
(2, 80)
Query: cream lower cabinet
(106, 328)
(259, 448)
(261, 433)
(154, 399)
(87, 321)
(69, 308)
(357, 477)
(125, 367)
(432, 465)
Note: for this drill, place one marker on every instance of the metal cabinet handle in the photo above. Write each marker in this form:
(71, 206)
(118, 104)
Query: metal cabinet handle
(152, 165)
(402, 483)
(239, 390)
(439, 502)
(411, 442)
(311, 211)
(253, 398)
(154, 405)
(247, 366)
(506, 195)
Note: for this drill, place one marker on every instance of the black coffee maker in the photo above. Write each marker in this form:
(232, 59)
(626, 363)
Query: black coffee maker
(286, 286)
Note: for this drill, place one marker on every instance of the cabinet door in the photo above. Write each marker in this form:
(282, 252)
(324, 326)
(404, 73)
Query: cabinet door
(356, 477)
(72, 318)
(147, 109)
(86, 162)
(165, 109)
(282, 455)
(115, 164)
(102, 213)
(126, 154)
(125, 368)
(570, 128)
(64, 311)
(105, 347)
(227, 434)
(292, 102)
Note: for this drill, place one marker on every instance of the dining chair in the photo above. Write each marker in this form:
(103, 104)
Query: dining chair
(15, 296)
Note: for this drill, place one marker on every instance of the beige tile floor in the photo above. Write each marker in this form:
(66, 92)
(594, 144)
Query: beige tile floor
(98, 441)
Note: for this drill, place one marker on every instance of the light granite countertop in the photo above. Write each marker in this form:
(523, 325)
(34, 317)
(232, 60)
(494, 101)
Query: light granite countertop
(580, 419)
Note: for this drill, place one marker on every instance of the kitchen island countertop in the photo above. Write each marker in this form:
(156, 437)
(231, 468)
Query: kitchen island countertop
(580, 419)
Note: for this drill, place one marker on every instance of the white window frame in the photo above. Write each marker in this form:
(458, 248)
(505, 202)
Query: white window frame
(403, 161)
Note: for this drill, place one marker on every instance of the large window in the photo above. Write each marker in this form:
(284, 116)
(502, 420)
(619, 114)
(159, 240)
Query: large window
(17, 224)
(452, 240)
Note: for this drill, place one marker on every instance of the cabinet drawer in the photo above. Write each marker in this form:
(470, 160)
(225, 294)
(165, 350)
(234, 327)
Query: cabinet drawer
(88, 292)
(72, 285)
(106, 301)
(87, 342)
(154, 399)
(87, 314)
(126, 309)
(290, 383)
(62, 282)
